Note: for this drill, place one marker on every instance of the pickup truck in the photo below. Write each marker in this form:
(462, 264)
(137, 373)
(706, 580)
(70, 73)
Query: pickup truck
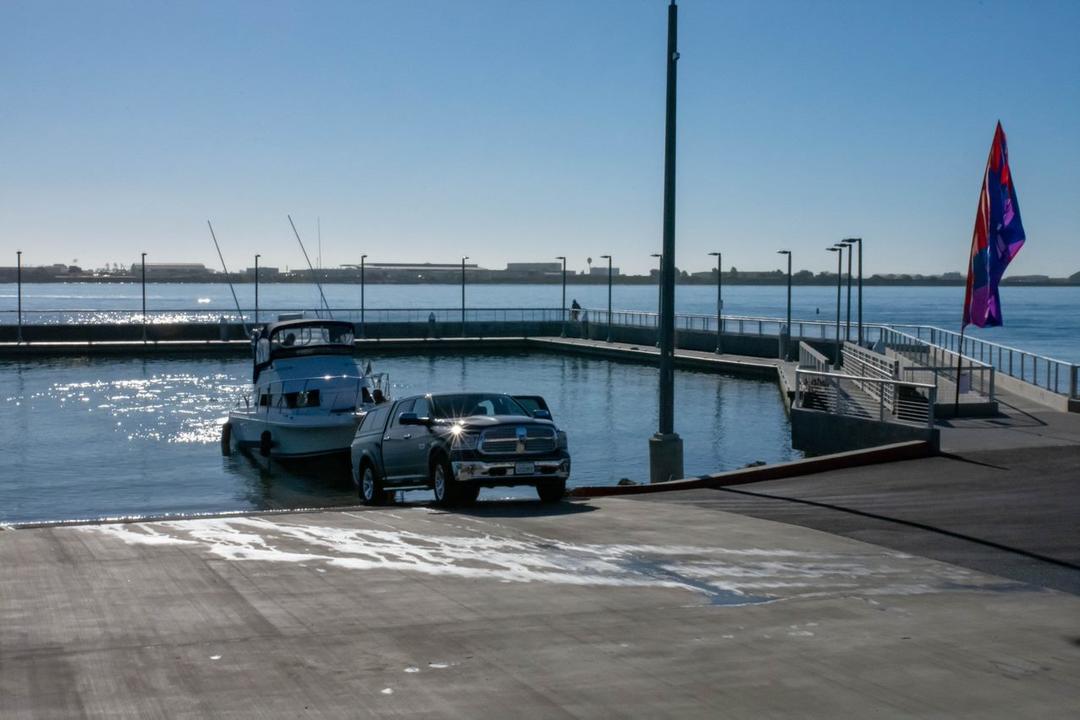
(456, 443)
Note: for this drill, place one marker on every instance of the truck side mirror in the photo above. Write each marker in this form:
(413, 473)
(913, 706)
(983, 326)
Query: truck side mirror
(541, 414)
(409, 418)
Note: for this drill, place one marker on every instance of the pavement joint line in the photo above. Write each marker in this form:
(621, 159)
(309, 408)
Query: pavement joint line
(909, 523)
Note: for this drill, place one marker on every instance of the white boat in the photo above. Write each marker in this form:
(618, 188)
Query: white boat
(308, 392)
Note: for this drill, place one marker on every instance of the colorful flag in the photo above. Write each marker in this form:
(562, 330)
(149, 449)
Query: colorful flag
(997, 239)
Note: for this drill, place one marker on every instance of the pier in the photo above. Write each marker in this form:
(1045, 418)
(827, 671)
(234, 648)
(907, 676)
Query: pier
(924, 566)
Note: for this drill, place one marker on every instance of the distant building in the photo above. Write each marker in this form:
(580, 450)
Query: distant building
(602, 270)
(264, 271)
(178, 271)
(534, 267)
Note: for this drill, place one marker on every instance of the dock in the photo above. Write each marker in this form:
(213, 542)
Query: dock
(902, 580)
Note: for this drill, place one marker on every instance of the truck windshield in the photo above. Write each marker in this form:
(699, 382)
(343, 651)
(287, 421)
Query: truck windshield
(464, 405)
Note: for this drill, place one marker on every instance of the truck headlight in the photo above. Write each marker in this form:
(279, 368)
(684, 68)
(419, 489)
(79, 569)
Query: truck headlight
(560, 438)
(463, 440)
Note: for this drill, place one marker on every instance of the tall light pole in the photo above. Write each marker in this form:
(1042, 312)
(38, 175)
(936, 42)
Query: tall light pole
(719, 301)
(18, 282)
(847, 328)
(257, 256)
(563, 258)
(363, 325)
(144, 297)
(463, 259)
(659, 293)
(608, 257)
(787, 336)
(851, 241)
(665, 447)
(839, 276)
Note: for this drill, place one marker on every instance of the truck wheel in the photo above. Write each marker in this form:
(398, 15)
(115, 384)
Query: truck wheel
(226, 439)
(371, 487)
(551, 492)
(442, 482)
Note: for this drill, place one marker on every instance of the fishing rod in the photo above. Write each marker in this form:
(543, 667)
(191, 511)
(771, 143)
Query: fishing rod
(314, 275)
(231, 288)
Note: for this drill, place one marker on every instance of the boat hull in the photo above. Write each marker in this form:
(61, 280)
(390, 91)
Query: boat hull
(294, 438)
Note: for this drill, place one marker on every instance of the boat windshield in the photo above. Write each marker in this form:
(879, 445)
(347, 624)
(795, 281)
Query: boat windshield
(311, 335)
(466, 404)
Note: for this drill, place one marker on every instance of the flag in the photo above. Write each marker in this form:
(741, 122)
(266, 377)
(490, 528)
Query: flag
(997, 239)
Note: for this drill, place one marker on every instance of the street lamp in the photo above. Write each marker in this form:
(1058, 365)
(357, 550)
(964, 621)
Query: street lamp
(719, 300)
(363, 326)
(839, 276)
(463, 259)
(144, 297)
(847, 328)
(563, 258)
(18, 282)
(659, 293)
(787, 336)
(850, 241)
(257, 256)
(608, 257)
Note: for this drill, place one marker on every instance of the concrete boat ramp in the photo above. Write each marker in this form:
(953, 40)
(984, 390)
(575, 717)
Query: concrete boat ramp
(609, 607)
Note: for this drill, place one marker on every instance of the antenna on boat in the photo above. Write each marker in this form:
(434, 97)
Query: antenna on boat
(314, 275)
(231, 288)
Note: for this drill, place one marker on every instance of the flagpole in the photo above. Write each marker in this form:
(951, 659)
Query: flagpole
(959, 368)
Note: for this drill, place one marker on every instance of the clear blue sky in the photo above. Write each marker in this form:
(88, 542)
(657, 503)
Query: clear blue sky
(520, 130)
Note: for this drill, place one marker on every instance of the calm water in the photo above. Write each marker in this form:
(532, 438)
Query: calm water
(107, 438)
(1041, 320)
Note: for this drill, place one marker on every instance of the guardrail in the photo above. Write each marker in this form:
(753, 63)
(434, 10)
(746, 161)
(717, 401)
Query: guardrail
(865, 363)
(1057, 376)
(895, 401)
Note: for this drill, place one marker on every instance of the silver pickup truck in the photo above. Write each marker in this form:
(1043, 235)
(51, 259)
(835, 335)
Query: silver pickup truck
(456, 443)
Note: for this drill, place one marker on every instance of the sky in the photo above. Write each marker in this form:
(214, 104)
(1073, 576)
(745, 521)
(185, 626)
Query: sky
(518, 130)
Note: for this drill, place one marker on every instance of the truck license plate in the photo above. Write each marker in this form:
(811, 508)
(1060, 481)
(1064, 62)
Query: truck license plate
(524, 468)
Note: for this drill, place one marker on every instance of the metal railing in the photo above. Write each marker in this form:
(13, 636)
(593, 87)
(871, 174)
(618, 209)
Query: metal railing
(1057, 376)
(811, 359)
(894, 401)
(931, 363)
(867, 364)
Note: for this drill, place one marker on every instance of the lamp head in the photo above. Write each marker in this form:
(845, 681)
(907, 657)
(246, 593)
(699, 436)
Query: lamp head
(714, 254)
(783, 252)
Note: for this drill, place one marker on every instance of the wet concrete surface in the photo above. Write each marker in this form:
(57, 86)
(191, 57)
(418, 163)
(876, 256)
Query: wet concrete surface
(611, 608)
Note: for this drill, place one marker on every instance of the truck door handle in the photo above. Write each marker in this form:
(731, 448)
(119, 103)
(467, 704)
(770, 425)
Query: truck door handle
(406, 436)
(387, 437)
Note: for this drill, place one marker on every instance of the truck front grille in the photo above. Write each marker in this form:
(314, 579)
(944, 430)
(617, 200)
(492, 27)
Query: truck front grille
(517, 440)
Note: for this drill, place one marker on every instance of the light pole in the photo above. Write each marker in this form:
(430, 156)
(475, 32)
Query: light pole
(463, 259)
(850, 241)
(787, 336)
(257, 256)
(719, 301)
(144, 297)
(659, 294)
(847, 328)
(563, 258)
(839, 276)
(666, 447)
(363, 326)
(18, 282)
(608, 257)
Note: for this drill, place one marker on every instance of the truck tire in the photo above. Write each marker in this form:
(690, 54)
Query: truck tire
(551, 491)
(467, 494)
(441, 477)
(371, 487)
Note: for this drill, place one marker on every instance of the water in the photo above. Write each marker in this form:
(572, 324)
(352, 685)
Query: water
(1044, 320)
(95, 438)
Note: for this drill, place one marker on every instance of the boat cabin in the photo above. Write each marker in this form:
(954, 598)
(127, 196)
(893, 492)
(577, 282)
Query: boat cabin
(299, 338)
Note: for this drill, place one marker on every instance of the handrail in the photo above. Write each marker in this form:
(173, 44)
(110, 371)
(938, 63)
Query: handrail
(829, 395)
